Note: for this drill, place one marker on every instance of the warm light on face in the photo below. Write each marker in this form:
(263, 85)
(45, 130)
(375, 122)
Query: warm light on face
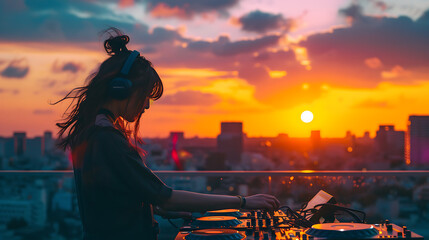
(307, 116)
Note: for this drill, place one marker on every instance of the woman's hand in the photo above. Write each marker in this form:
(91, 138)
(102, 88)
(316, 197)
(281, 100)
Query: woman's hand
(262, 201)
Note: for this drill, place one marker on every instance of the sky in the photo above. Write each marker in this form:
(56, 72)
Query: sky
(354, 64)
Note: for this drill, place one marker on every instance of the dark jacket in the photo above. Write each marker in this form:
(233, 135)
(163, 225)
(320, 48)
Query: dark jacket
(115, 189)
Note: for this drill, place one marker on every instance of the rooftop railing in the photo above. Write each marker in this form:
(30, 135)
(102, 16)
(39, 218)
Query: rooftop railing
(295, 173)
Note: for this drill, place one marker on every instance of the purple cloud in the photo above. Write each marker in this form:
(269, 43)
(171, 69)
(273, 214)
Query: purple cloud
(17, 69)
(224, 47)
(262, 22)
(393, 41)
(71, 67)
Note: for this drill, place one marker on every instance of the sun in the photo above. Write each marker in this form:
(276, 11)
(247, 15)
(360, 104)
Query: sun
(307, 116)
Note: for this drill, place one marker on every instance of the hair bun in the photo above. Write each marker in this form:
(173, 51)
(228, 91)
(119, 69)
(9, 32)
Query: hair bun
(116, 45)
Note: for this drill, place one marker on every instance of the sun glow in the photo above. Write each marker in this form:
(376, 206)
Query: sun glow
(307, 116)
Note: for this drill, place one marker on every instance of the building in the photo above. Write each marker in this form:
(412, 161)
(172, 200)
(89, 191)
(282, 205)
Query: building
(2, 143)
(47, 143)
(34, 148)
(175, 140)
(230, 142)
(19, 143)
(15, 209)
(33, 209)
(390, 143)
(417, 142)
(8, 147)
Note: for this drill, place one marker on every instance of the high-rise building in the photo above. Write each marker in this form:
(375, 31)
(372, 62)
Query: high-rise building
(3, 160)
(2, 152)
(417, 144)
(180, 136)
(391, 143)
(366, 135)
(9, 149)
(175, 141)
(47, 143)
(19, 143)
(350, 141)
(34, 147)
(230, 142)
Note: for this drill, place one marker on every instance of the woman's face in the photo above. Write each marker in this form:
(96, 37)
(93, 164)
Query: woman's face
(135, 107)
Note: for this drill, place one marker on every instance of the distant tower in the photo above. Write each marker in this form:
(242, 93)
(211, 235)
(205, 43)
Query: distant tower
(389, 141)
(230, 141)
(3, 160)
(19, 143)
(350, 140)
(47, 143)
(366, 135)
(33, 148)
(2, 147)
(176, 138)
(417, 144)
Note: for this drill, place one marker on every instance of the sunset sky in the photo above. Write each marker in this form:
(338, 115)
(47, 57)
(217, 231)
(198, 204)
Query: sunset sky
(354, 64)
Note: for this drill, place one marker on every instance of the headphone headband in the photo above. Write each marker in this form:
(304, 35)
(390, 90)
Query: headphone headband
(130, 60)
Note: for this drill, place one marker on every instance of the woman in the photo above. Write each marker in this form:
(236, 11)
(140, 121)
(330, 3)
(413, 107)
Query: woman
(116, 191)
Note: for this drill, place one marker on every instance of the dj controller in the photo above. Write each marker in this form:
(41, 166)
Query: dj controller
(232, 224)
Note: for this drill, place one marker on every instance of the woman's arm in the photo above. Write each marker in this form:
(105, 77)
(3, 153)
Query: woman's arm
(199, 202)
(171, 214)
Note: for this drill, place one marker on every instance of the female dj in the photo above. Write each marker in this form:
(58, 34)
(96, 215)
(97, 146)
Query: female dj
(116, 191)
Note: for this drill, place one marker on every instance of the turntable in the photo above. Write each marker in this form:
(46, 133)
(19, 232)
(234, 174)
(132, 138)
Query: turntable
(214, 234)
(342, 230)
(215, 222)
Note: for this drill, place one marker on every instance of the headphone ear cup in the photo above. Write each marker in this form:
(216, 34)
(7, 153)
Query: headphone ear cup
(120, 88)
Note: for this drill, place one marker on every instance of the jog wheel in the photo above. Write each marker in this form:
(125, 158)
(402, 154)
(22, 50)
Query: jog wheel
(215, 222)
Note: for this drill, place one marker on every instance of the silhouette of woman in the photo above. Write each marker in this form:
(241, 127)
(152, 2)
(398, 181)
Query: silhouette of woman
(116, 191)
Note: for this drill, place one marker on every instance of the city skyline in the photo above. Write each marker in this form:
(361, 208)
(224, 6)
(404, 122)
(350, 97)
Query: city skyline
(372, 134)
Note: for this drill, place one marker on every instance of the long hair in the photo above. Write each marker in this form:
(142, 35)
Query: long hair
(88, 99)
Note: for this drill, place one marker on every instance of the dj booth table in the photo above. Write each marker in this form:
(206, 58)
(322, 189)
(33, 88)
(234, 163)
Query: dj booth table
(231, 224)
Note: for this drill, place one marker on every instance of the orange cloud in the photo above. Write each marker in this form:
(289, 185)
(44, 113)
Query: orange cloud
(373, 63)
(277, 74)
(397, 71)
(162, 10)
(370, 103)
(126, 3)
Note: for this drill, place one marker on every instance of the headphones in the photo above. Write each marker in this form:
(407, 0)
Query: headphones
(120, 87)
